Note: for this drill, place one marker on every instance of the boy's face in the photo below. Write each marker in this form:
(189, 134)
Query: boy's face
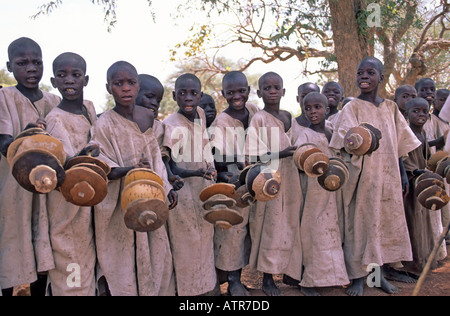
(208, 105)
(333, 93)
(418, 114)
(441, 97)
(236, 93)
(427, 90)
(124, 87)
(27, 67)
(315, 110)
(70, 79)
(368, 77)
(303, 91)
(404, 97)
(271, 90)
(150, 96)
(188, 95)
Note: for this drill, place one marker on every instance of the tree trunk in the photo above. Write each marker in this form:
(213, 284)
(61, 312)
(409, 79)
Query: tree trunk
(349, 46)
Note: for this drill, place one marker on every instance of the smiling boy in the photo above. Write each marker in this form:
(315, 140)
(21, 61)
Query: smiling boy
(375, 224)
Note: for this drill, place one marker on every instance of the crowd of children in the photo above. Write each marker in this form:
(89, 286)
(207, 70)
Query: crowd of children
(313, 237)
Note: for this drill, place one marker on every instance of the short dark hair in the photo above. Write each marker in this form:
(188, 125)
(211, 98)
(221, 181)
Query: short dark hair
(416, 101)
(371, 59)
(22, 43)
(118, 65)
(73, 56)
(186, 77)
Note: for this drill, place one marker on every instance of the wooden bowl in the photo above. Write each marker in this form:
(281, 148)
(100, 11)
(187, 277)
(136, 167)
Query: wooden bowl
(142, 189)
(426, 183)
(28, 164)
(435, 158)
(243, 197)
(333, 179)
(316, 164)
(302, 153)
(146, 215)
(142, 174)
(222, 217)
(433, 198)
(358, 141)
(88, 160)
(263, 183)
(225, 189)
(85, 185)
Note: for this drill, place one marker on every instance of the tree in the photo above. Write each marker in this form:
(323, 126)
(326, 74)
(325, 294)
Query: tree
(5, 79)
(411, 38)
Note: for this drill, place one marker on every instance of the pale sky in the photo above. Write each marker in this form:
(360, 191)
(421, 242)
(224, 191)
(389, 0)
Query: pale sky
(78, 26)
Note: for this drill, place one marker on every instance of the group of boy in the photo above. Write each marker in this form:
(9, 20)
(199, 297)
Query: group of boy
(314, 238)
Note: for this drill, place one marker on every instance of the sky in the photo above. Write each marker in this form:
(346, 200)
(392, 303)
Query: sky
(78, 26)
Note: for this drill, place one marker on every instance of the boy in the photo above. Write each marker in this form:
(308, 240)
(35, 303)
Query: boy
(132, 263)
(151, 93)
(232, 247)
(335, 95)
(191, 236)
(209, 107)
(23, 253)
(421, 221)
(402, 95)
(375, 224)
(303, 91)
(441, 97)
(70, 226)
(323, 258)
(275, 225)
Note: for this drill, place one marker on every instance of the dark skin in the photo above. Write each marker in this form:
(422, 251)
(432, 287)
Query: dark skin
(316, 111)
(188, 94)
(124, 86)
(271, 91)
(70, 80)
(369, 76)
(303, 91)
(236, 91)
(27, 66)
(209, 106)
(335, 94)
(150, 95)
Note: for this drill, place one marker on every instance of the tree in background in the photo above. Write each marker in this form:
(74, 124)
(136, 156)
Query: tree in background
(411, 37)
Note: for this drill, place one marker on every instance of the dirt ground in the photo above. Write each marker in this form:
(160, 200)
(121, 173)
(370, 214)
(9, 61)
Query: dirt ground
(437, 283)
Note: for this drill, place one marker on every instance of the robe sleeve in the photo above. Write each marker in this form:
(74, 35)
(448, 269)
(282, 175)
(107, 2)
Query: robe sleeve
(6, 127)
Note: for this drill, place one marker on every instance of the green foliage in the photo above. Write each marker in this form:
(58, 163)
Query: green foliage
(5, 79)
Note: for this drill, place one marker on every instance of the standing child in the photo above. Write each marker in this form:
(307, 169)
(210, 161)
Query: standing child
(402, 95)
(441, 97)
(70, 226)
(275, 225)
(208, 105)
(191, 236)
(335, 95)
(151, 93)
(232, 247)
(132, 263)
(323, 257)
(303, 91)
(375, 224)
(23, 253)
(421, 221)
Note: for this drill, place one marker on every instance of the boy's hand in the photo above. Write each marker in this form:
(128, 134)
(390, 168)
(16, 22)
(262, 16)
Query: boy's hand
(209, 174)
(173, 199)
(143, 163)
(289, 152)
(91, 149)
(177, 182)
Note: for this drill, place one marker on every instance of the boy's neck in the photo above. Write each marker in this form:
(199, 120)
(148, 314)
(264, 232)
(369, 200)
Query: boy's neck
(126, 111)
(191, 117)
(72, 106)
(333, 111)
(371, 97)
(32, 94)
(272, 108)
(416, 129)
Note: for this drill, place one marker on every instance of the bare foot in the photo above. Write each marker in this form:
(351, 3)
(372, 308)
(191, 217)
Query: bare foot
(235, 287)
(357, 288)
(399, 276)
(388, 287)
(269, 287)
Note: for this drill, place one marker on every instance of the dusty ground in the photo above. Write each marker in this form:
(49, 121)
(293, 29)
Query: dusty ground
(437, 283)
